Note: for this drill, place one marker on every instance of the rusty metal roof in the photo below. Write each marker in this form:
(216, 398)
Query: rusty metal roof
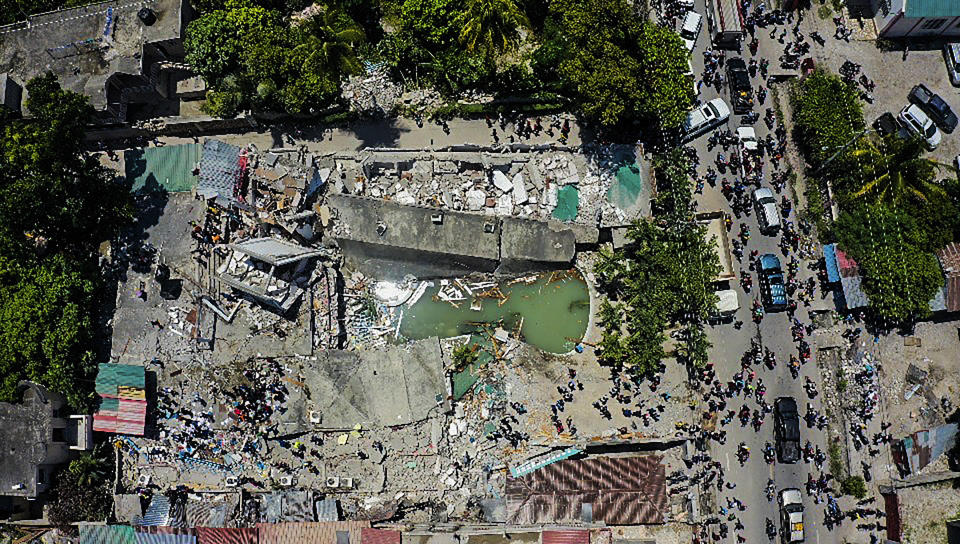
(330, 532)
(619, 490)
(950, 262)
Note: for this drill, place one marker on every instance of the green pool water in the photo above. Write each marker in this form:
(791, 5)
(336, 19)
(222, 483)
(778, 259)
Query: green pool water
(627, 188)
(554, 313)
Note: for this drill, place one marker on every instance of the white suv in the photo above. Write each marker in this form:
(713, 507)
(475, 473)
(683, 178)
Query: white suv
(791, 515)
(917, 122)
(690, 29)
(707, 116)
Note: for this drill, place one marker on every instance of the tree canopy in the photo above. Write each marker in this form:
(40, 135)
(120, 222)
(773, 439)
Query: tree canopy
(57, 204)
(252, 58)
(827, 114)
(891, 170)
(662, 277)
(619, 66)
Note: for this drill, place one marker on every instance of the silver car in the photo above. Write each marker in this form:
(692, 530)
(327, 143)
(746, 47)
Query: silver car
(916, 121)
(767, 214)
(951, 55)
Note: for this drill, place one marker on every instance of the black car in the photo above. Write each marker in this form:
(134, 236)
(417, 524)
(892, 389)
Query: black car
(786, 421)
(934, 106)
(887, 124)
(741, 92)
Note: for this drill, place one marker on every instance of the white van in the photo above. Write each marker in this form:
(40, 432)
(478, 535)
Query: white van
(690, 29)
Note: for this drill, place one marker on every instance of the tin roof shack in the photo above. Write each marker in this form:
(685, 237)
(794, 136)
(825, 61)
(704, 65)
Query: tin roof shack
(104, 51)
(388, 240)
(272, 271)
(612, 490)
(914, 452)
(527, 245)
(35, 437)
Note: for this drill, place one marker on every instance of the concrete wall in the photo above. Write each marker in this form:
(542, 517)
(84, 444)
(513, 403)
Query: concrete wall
(897, 25)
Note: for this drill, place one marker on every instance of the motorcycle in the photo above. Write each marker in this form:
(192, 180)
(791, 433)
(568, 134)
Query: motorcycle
(768, 454)
(794, 366)
(750, 118)
(771, 530)
(810, 388)
(818, 38)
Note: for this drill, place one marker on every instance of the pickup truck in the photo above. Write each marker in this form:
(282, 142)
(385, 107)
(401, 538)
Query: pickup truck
(786, 429)
(934, 106)
(741, 92)
(791, 515)
(773, 292)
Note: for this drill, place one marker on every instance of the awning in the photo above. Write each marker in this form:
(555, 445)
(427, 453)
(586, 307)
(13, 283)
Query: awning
(830, 256)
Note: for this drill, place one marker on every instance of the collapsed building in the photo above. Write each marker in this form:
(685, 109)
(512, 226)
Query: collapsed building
(256, 398)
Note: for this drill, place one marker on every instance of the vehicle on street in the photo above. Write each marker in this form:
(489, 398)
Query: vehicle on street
(741, 91)
(684, 4)
(773, 292)
(690, 29)
(725, 25)
(917, 122)
(766, 205)
(786, 429)
(791, 515)
(934, 106)
(727, 305)
(887, 124)
(951, 55)
(748, 138)
(704, 118)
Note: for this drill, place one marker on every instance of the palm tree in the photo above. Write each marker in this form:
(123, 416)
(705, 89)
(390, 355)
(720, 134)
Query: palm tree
(330, 37)
(88, 468)
(895, 169)
(493, 25)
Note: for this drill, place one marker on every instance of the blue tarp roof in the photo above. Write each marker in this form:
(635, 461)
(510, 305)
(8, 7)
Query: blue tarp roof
(830, 255)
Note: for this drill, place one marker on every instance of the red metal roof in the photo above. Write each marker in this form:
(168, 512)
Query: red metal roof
(310, 532)
(848, 267)
(620, 491)
(563, 537)
(379, 536)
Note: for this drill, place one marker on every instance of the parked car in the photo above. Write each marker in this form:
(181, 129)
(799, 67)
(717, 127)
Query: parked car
(951, 54)
(773, 293)
(786, 429)
(917, 122)
(741, 91)
(791, 515)
(690, 29)
(704, 118)
(766, 205)
(934, 106)
(886, 124)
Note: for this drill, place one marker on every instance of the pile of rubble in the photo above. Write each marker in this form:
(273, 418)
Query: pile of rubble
(528, 184)
(372, 93)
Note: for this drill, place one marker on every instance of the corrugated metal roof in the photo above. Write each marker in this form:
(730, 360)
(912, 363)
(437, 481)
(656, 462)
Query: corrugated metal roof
(853, 294)
(107, 534)
(932, 8)
(848, 267)
(379, 536)
(620, 490)
(830, 256)
(158, 513)
(565, 537)
(219, 170)
(327, 510)
(159, 538)
(170, 167)
(950, 262)
(310, 533)
(206, 514)
(213, 535)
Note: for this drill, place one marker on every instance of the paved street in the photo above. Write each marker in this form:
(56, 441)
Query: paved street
(773, 332)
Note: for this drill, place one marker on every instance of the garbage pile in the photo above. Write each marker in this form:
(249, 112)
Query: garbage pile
(374, 92)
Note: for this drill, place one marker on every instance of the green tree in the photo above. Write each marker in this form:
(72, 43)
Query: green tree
(45, 327)
(491, 25)
(431, 22)
(900, 275)
(827, 114)
(81, 495)
(855, 486)
(893, 170)
(53, 194)
(89, 469)
(619, 66)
